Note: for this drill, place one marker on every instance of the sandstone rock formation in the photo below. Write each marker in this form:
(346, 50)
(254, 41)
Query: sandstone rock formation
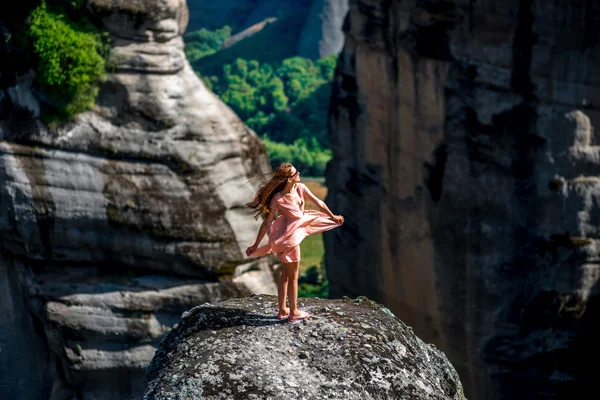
(348, 349)
(115, 223)
(466, 167)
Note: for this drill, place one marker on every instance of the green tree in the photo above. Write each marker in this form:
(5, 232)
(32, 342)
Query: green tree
(299, 107)
(271, 96)
(203, 42)
(327, 67)
(311, 161)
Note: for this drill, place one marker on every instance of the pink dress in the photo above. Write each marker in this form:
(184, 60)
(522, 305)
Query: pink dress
(292, 225)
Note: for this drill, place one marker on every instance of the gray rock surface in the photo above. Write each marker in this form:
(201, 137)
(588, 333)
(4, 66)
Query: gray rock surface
(466, 164)
(123, 218)
(322, 35)
(26, 369)
(348, 349)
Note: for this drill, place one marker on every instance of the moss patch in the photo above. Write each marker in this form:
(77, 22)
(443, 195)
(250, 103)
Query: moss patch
(71, 58)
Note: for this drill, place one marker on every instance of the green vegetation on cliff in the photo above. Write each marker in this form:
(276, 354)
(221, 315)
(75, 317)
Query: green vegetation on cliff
(204, 43)
(71, 58)
(61, 42)
(308, 157)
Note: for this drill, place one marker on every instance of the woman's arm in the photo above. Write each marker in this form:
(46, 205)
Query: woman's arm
(264, 227)
(321, 204)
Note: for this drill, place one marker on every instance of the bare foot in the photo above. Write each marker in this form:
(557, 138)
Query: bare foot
(298, 315)
(283, 313)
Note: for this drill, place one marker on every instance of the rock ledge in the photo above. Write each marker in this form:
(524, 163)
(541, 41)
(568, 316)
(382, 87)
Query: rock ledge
(350, 349)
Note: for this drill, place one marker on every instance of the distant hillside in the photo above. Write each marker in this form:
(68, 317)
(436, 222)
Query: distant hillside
(312, 28)
(240, 14)
(273, 43)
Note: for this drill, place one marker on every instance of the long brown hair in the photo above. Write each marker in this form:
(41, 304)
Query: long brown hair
(267, 190)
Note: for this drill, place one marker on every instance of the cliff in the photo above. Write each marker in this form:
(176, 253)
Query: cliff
(350, 349)
(116, 222)
(464, 161)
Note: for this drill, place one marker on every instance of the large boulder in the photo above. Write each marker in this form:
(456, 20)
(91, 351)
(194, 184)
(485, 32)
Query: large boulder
(466, 164)
(348, 349)
(113, 224)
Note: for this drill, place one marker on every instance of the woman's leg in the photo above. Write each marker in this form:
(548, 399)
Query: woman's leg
(282, 292)
(292, 275)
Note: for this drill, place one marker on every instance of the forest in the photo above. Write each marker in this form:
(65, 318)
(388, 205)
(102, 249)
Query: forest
(284, 101)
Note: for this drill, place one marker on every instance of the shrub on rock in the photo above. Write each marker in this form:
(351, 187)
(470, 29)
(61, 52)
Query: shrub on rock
(71, 59)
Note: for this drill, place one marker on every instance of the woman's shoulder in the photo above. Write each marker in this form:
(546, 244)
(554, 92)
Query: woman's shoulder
(286, 195)
(275, 198)
(299, 189)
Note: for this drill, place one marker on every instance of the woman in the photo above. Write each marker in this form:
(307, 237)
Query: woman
(285, 194)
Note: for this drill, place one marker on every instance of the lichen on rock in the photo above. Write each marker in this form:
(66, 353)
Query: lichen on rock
(347, 349)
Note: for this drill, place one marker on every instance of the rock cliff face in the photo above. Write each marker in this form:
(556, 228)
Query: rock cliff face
(317, 24)
(466, 166)
(348, 349)
(115, 223)
(322, 35)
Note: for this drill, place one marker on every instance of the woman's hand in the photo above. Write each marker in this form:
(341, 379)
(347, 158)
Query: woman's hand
(251, 249)
(338, 219)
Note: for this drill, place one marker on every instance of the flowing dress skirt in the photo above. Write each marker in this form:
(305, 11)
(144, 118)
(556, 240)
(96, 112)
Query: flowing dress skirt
(285, 235)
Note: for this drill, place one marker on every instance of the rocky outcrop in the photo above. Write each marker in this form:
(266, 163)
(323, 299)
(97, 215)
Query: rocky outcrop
(322, 35)
(123, 218)
(350, 349)
(248, 32)
(315, 26)
(464, 161)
